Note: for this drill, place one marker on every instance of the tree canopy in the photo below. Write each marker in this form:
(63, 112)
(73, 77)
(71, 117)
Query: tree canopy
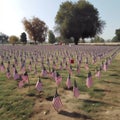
(79, 20)
(36, 29)
(51, 37)
(13, 39)
(97, 39)
(3, 38)
(116, 38)
(23, 37)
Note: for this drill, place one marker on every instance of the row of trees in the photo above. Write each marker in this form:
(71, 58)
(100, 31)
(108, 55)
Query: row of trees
(13, 39)
(52, 39)
(75, 21)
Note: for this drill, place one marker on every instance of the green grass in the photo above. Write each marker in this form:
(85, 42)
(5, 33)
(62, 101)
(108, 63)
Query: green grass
(18, 104)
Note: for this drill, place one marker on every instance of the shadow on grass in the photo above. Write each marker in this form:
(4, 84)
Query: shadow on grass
(92, 105)
(34, 94)
(50, 98)
(74, 115)
(116, 83)
(81, 76)
(97, 103)
(69, 89)
(114, 75)
(101, 90)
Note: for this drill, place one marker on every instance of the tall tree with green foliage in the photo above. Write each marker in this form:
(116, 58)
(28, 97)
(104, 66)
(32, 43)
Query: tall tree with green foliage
(97, 39)
(116, 38)
(36, 29)
(79, 20)
(23, 38)
(51, 37)
(118, 34)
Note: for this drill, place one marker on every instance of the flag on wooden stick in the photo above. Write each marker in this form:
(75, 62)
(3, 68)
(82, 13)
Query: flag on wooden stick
(2, 67)
(21, 84)
(105, 66)
(16, 75)
(38, 85)
(25, 77)
(68, 82)
(56, 102)
(8, 74)
(76, 90)
(58, 78)
(98, 73)
(89, 80)
(44, 72)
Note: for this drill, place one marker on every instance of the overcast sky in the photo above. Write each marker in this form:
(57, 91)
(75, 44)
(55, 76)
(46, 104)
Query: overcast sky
(12, 13)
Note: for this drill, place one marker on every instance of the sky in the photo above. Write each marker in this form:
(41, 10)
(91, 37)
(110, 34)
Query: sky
(12, 13)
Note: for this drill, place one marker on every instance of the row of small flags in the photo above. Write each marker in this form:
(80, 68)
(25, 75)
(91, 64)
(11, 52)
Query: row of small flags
(57, 104)
(24, 79)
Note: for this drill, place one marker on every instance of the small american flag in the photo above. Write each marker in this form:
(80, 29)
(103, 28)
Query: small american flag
(25, 78)
(16, 75)
(76, 90)
(2, 67)
(44, 72)
(89, 80)
(21, 84)
(57, 104)
(68, 82)
(105, 66)
(98, 73)
(39, 85)
(8, 74)
(58, 78)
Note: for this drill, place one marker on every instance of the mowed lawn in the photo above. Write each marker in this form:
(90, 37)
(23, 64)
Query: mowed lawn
(94, 103)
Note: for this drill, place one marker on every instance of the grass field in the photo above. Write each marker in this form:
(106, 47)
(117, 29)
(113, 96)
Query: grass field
(99, 102)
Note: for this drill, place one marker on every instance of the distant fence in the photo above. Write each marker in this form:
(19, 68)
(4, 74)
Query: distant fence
(115, 43)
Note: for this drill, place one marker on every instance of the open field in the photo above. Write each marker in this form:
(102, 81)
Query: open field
(99, 102)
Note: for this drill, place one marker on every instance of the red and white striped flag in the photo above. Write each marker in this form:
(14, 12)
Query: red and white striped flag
(38, 85)
(98, 74)
(58, 78)
(16, 75)
(105, 66)
(68, 82)
(2, 67)
(21, 84)
(44, 72)
(56, 102)
(8, 74)
(76, 90)
(25, 78)
(89, 80)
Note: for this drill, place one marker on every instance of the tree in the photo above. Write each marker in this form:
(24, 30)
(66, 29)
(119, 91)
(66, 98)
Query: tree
(13, 39)
(79, 20)
(116, 38)
(3, 38)
(36, 29)
(118, 34)
(97, 39)
(51, 37)
(23, 37)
